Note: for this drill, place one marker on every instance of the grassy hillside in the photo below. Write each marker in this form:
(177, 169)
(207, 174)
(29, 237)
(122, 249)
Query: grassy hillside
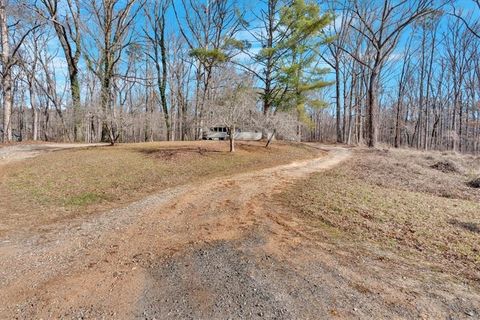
(419, 205)
(63, 184)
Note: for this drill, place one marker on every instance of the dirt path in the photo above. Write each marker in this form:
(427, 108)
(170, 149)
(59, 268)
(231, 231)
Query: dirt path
(217, 250)
(24, 151)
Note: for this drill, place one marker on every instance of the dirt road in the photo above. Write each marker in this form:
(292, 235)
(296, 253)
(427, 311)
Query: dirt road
(25, 151)
(222, 249)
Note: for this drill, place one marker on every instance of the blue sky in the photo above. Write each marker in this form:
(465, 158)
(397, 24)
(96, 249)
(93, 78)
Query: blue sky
(248, 7)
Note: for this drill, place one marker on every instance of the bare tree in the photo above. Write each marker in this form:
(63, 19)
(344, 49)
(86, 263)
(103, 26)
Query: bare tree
(333, 57)
(209, 28)
(473, 27)
(382, 25)
(180, 82)
(155, 33)
(9, 58)
(65, 17)
(265, 29)
(234, 104)
(114, 21)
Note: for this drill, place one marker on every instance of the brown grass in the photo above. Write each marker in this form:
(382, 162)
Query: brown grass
(393, 198)
(419, 171)
(64, 184)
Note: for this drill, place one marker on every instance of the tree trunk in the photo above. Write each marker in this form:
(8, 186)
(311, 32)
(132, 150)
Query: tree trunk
(163, 80)
(231, 137)
(34, 124)
(371, 110)
(7, 75)
(397, 125)
(271, 138)
(75, 92)
(337, 101)
(21, 115)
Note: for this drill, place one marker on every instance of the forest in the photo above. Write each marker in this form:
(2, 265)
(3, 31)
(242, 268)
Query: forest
(402, 73)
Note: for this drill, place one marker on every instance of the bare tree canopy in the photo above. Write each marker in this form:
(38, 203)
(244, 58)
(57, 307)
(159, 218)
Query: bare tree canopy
(394, 72)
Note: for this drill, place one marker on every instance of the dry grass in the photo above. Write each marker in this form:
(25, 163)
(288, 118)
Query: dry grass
(441, 174)
(64, 184)
(395, 199)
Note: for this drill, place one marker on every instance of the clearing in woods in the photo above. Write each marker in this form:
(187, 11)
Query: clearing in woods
(322, 236)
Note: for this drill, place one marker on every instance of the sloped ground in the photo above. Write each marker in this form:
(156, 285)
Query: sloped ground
(399, 202)
(226, 247)
(443, 174)
(63, 181)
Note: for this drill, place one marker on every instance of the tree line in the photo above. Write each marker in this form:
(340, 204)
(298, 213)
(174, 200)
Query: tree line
(402, 73)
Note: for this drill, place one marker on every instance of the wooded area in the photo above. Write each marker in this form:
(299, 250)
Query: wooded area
(402, 73)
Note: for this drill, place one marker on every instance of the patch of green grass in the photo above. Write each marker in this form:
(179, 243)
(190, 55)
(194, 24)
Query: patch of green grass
(83, 199)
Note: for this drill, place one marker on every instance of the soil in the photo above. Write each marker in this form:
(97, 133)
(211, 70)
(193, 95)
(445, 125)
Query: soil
(219, 249)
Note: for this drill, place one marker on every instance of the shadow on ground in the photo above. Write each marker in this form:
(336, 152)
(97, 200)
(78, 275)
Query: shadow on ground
(469, 226)
(173, 153)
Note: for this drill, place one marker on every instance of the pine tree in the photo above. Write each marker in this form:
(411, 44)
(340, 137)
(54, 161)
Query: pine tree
(303, 26)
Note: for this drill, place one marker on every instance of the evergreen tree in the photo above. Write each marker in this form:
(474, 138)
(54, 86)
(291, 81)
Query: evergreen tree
(303, 26)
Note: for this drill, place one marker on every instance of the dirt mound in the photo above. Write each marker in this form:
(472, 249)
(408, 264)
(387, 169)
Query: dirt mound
(445, 166)
(174, 154)
(475, 183)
